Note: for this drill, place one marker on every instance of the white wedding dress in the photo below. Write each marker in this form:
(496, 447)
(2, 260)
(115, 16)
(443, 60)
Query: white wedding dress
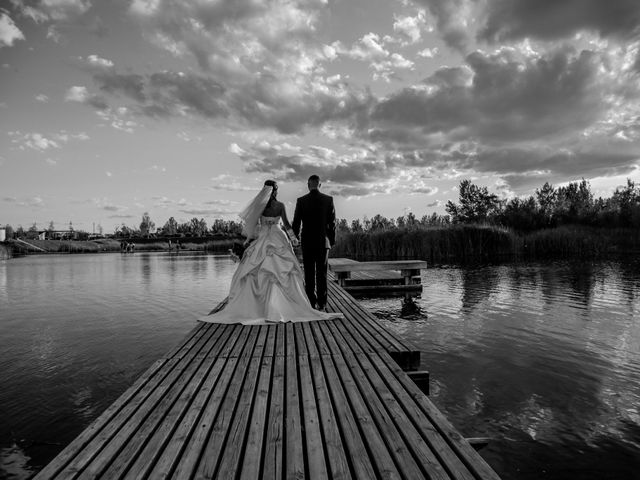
(268, 285)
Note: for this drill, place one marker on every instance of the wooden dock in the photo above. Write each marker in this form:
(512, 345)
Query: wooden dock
(402, 276)
(318, 400)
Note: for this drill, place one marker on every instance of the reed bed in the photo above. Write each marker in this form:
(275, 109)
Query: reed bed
(463, 243)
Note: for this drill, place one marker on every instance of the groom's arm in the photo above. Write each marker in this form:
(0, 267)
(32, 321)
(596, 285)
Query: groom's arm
(331, 223)
(297, 219)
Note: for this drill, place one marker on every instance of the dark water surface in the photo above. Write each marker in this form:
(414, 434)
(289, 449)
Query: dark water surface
(544, 358)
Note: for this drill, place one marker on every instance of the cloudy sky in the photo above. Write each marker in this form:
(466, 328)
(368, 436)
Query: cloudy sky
(184, 107)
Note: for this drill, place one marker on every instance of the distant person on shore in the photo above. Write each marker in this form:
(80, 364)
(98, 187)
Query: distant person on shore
(268, 285)
(316, 214)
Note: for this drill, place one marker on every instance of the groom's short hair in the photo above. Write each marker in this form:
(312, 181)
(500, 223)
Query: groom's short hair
(314, 180)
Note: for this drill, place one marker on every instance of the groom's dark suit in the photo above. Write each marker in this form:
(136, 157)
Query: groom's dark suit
(316, 213)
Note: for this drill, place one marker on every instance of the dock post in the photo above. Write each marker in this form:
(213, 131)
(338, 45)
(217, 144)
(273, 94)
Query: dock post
(421, 379)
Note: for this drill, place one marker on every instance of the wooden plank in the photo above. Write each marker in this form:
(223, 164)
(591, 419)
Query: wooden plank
(189, 461)
(342, 301)
(92, 440)
(146, 383)
(452, 450)
(357, 454)
(347, 303)
(383, 288)
(404, 439)
(378, 429)
(381, 265)
(339, 461)
(54, 467)
(169, 456)
(315, 452)
(150, 437)
(130, 438)
(231, 422)
(294, 441)
(253, 458)
(274, 454)
(234, 453)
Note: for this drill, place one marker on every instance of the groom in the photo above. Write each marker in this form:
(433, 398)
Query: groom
(316, 213)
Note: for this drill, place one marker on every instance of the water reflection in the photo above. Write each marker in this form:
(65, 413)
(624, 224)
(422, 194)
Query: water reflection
(477, 284)
(544, 358)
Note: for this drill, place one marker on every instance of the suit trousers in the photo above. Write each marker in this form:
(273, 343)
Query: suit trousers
(315, 275)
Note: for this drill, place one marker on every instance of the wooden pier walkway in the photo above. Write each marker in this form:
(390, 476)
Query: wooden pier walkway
(318, 400)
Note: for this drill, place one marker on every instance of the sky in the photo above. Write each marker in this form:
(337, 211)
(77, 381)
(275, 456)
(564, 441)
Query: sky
(109, 109)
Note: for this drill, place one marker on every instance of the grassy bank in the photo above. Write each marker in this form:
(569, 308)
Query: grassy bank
(461, 243)
(217, 245)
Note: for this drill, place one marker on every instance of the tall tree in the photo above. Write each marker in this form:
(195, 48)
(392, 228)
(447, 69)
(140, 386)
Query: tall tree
(476, 204)
(146, 225)
(170, 227)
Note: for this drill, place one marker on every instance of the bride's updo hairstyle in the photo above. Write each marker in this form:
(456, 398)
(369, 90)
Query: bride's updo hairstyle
(274, 186)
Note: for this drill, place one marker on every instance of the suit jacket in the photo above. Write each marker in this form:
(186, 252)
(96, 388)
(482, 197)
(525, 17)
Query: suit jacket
(317, 216)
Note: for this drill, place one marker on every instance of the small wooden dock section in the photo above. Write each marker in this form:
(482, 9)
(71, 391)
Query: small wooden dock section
(397, 276)
(318, 400)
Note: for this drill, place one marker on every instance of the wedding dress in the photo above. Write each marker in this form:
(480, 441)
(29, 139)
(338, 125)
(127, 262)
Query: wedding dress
(268, 285)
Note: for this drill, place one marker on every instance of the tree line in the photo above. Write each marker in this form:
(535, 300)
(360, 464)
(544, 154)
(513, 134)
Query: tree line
(549, 207)
(147, 228)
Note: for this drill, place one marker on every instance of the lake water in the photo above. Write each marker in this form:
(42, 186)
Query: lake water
(544, 358)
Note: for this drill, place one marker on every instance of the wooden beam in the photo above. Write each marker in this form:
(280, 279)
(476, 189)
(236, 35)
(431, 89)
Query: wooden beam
(382, 265)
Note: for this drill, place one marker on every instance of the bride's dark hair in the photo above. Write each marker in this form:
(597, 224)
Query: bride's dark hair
(273, 184)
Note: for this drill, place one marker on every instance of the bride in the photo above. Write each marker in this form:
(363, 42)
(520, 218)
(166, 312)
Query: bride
(267, 287)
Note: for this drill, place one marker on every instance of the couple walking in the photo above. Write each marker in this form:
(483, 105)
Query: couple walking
(268, 286)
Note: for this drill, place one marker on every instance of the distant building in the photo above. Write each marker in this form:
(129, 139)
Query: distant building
(58, 235)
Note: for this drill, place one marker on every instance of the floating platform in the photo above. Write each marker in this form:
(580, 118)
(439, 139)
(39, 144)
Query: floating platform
(317, 400)
(384, 277)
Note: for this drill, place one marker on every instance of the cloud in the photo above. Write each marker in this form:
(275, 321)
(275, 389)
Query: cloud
(453, 20)
(34, 141)
(42, 98)
(231, 183)
(80, 94)
(9, 32)
(52, 10)
(428, 52)
(502, 97)
(519, 19)
(261, 65)
(410, 27)
(356, 171)
(31, 202)
(107, 205)
(118, 118)
(208, 211)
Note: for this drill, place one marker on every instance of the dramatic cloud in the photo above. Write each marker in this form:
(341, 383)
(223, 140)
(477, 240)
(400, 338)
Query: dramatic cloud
(453, 19)
(463, 22)
(9, 32)
(502, 97)
(557, 19)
